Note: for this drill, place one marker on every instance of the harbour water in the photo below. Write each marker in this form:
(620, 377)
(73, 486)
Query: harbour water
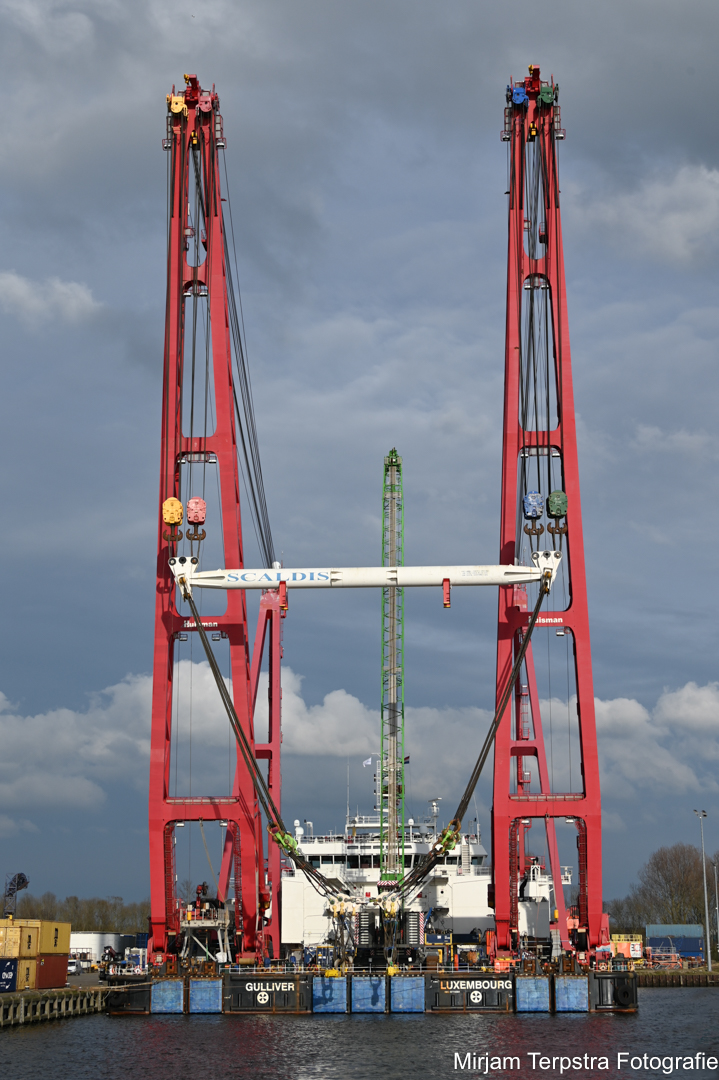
(670, 1023)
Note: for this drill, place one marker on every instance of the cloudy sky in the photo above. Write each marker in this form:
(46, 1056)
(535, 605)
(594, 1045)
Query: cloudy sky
(367, 180)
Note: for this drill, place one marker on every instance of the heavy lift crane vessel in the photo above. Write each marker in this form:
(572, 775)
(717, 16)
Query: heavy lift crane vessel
(194, 136)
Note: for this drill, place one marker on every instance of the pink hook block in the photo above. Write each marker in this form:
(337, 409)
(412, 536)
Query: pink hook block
(196, 511)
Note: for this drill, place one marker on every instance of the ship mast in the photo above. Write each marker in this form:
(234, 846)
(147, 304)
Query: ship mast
(391, 763)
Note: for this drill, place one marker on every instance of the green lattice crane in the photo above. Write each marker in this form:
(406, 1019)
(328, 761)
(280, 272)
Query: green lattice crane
(391, 763)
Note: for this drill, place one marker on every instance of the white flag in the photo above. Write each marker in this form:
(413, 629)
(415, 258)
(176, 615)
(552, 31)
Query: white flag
(367, 762)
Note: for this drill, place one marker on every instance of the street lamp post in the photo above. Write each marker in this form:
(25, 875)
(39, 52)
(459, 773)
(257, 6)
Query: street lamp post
(701, 814)
(716, 899)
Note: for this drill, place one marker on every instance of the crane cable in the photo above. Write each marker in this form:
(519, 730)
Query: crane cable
(449, 836)
(275, 825)
(250, 463)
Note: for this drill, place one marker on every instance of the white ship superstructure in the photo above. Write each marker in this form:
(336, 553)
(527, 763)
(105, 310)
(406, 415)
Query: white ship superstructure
(453, 899)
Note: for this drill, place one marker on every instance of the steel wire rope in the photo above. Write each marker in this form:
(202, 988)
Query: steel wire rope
(430, 859)
(234, 251)
(517, 238)
(176, 746)
(209, 860)
(259, 783)
(197, 620)
(248, 431)
(195, 288)
(253, 467)
(170, 202)
(559, 358)
(229, 730)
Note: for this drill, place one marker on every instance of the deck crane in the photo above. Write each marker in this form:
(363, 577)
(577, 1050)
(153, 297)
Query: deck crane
(390, 770)
(279, 580)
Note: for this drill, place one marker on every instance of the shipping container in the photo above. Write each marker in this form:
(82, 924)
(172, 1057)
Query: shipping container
(50, 972)
(26, 974)
(50, 937)
(8, 976)
(54, 938)
(9, 941)
(29, 941)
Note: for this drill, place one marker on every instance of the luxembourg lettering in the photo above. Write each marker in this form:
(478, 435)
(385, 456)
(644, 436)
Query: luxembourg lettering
(475, 984)
(280, 575)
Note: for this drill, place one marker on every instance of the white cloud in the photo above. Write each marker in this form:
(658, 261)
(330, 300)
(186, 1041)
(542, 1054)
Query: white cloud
(63, 758)
(675, 219)
(651, 439)
(67, 759)
(11, 827)
(633, 754)
(691, 709)
(340, 726)
(37, 301)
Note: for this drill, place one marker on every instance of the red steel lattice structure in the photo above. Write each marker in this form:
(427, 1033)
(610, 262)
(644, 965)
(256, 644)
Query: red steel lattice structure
(536, 269)
(194, 135)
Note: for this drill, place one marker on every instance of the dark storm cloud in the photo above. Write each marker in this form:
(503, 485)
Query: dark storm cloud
(367, 182)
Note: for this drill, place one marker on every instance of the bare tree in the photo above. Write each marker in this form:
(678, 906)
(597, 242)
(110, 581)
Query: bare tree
(672, 884)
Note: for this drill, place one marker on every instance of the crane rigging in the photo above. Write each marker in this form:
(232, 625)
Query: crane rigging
(185, 571)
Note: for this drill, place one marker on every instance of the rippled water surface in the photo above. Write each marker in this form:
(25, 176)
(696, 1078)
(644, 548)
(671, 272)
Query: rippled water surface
(670, 1023)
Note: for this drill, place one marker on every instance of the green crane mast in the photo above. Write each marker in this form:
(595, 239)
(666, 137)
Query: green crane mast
(391, 764)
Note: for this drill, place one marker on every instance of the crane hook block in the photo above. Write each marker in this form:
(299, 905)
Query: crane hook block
(532, 505)
(196, 511)
(172, 511)
(557, 504)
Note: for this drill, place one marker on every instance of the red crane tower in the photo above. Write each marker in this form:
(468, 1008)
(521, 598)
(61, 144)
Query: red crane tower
(206, 418)
(540, 479)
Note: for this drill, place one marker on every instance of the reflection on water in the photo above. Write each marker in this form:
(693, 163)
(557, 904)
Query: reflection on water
(670, 1022)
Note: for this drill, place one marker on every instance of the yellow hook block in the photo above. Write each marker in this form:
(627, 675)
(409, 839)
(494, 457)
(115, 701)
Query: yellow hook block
(172, 511)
